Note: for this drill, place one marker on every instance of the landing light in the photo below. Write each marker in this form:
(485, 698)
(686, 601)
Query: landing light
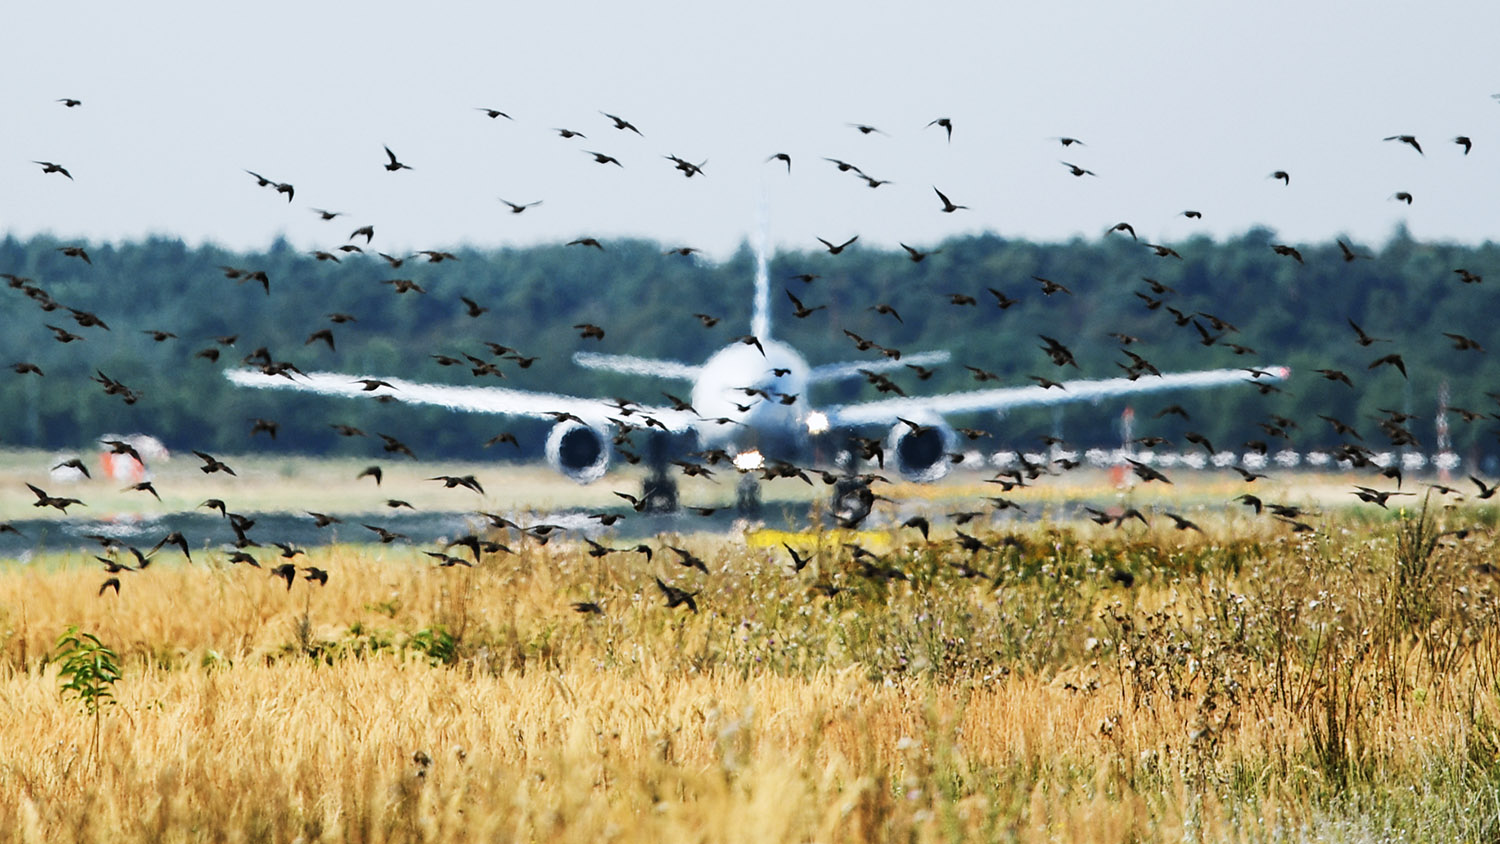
(749, 461)
(817, 422)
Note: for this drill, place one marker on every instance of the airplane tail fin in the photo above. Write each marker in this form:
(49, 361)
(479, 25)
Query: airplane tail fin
(760, 319)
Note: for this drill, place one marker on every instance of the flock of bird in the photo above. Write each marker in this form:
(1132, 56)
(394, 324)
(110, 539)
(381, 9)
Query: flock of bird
(1205, 328)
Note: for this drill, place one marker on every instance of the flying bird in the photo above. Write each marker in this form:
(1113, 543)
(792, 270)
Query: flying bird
(393, 165)
(621, 123)
(49, 167)
(946, 124)
(948, 206)
(1409, 140)
(834, 250)
(781, 156)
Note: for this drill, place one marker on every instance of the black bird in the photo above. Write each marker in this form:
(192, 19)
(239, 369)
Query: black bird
(948, 206)
(393, 165)
(371, 472)
(946, 124)
(1284, 176)
(687, 558)
(49, 167)
(212, 464)
(1348, 253)
(1463, 141)
(45, 500)
(386, 536)
(799, 562)
(834, 250)
(919, 523)
(1361, 337)
(1078, 171)
(287, 572)
(1409, 140)
(781, 156)
(621, 123)
(677, 597)
(802, 311)
(1390, 360)
(601, 158)
(917, 256)
(1181, 523)
(74, 463)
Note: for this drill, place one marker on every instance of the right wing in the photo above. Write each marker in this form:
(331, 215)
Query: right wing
(886, 411)
(596, 412)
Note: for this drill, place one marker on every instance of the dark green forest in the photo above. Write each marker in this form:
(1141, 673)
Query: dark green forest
(1289, 311)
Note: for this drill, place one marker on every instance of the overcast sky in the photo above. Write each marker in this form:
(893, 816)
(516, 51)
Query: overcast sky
(1182, 105)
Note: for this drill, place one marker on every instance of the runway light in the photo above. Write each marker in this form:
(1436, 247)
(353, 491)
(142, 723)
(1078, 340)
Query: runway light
(817, 422)
(749, 461)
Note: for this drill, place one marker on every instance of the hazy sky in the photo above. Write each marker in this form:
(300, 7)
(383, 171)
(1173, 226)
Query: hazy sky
(1181, 104)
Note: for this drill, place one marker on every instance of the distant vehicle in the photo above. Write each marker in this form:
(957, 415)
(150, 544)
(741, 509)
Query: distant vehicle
(749, 399)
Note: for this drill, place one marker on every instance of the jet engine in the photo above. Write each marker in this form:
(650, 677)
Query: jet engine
(920, 454)
(579, 451)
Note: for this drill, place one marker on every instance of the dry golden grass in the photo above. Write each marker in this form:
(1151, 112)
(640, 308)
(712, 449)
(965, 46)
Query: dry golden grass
(1250, 685)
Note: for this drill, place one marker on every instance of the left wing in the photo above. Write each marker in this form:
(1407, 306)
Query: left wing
(594, 412)
(885, 411)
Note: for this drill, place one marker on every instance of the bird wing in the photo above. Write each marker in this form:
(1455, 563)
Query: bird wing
(475, 399)
(885, 411)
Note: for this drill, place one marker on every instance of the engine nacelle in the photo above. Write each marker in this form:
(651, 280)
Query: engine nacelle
(579, 451)
(921, 455)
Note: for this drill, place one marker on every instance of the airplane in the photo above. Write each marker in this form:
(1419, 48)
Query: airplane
(737, 404)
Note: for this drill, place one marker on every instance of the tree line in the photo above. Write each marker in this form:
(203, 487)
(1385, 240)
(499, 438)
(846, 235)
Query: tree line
(1289, 309)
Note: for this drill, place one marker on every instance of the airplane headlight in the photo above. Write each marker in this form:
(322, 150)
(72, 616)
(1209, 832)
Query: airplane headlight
(817, 422)
(749, 461)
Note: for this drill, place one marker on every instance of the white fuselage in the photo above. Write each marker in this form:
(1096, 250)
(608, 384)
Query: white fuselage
(720, 392)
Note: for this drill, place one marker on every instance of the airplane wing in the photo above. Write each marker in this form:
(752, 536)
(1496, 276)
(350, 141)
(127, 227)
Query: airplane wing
(885, 411)
(475, 399)
(855, 369)
(632, 365)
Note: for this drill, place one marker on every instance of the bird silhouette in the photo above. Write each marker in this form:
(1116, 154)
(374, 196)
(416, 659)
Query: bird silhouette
(621, 123)
(49, 167)
(601, 158)
(834, 250)
(948, 206)
(677, 597)
(393, 164)
(802, 311)
(1409, 140)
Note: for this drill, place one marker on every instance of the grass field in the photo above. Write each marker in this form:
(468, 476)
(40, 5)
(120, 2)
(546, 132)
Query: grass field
(1094, 684)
